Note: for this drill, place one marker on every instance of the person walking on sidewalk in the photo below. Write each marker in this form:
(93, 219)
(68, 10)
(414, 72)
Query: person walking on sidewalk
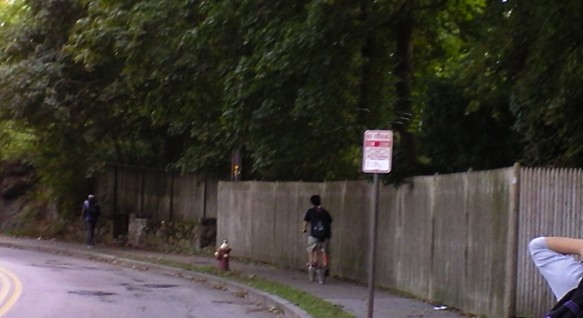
(90, 214)
(319, 221)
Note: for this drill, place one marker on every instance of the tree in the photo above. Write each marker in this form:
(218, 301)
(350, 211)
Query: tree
(525, 61)
(467, 122)
(546, 97)
(183, 84)
(36, 80)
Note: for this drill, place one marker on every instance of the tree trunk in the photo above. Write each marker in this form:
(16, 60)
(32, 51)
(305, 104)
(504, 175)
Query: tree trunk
(406, 147)
(365, 107)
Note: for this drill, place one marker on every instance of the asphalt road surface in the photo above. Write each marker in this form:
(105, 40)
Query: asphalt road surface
(34, 284)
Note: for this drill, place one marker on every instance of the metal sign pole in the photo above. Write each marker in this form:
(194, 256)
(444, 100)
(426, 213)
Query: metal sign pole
(376, 158)
(373, 243)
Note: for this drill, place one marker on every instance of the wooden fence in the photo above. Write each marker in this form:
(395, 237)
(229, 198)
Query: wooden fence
(443, 238)
(457, 239)
(155, 194)
(551, 204)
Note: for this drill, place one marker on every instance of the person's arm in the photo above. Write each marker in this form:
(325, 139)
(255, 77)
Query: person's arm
(306, 221)
(565, 245)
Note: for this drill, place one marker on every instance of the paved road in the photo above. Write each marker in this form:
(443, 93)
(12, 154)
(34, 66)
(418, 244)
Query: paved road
(60, 286)
(351, 297)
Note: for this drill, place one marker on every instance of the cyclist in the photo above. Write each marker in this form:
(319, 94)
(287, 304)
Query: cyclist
(319, 221)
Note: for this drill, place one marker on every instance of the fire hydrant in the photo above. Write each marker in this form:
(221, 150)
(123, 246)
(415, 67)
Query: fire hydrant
(222, 255)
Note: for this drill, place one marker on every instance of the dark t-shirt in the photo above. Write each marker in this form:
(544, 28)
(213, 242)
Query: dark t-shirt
(320, 221)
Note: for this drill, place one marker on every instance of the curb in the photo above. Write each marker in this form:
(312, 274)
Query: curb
(276, 304)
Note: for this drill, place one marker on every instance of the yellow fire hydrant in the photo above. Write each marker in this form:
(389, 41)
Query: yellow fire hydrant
(222, 255)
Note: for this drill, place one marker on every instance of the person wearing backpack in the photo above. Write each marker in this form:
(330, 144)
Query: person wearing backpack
(90, 214)
(319, 222)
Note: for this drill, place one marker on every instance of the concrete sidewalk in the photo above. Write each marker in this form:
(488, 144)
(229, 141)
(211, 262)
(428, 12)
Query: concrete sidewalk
(350, 296)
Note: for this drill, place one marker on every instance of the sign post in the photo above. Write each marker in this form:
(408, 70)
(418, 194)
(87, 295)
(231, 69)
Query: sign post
(376, 158)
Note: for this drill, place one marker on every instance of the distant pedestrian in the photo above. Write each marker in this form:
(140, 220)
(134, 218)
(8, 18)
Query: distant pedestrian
(90, 214)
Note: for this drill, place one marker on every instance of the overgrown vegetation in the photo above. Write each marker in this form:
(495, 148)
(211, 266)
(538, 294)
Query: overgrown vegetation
(289, 87)
(16, 142)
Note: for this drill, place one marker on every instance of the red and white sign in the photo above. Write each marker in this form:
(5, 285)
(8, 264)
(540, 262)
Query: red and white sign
(377, 151)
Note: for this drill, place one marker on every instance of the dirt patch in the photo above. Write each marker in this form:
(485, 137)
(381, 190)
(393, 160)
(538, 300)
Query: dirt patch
(20, 208)
(16, 179)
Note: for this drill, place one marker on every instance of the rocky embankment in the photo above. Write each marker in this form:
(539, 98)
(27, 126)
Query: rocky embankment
(16, 181)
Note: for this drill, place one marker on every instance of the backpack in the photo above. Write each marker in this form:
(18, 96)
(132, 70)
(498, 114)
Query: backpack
(570, 305)
(320, 223)
(319, 230)
(93, 210)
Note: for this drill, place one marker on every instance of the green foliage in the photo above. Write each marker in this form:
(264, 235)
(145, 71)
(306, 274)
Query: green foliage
(37, 89)
(11, 13)
(16, 142)
(292, 98)
(214, 79)
(455, 139)
(549, 116)
(525, 61)
(466, 120)
(182, 84)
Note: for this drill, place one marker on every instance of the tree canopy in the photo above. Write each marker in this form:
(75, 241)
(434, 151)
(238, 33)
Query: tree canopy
(291, 86)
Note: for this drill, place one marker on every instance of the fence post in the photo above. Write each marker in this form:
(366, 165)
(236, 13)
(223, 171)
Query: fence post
(432, 194)
(115, 183)
(142, 191)
(171, 212)
(204, 198)
(512, 251)
(115, 211)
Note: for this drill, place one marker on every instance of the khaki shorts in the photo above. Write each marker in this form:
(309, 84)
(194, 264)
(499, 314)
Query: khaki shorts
(314, 242)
